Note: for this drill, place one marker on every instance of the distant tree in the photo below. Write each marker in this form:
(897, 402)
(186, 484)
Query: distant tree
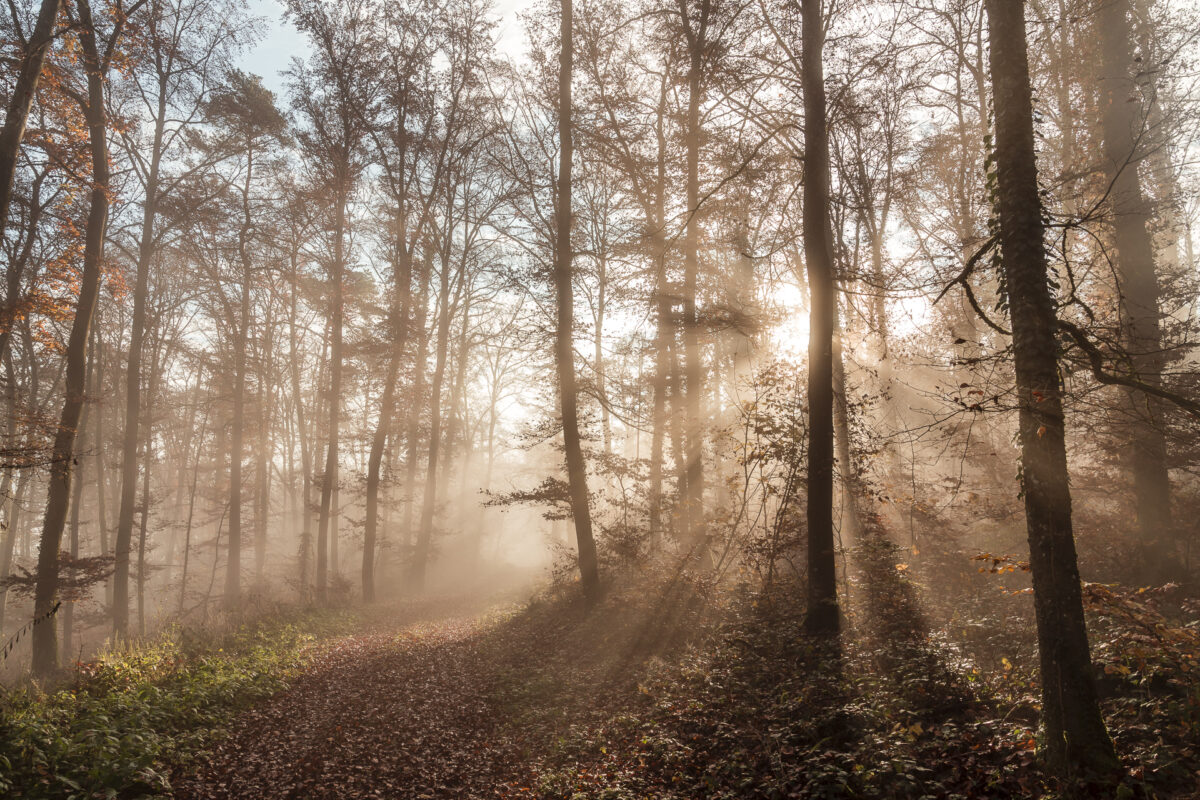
(333, 94)
(248, 122)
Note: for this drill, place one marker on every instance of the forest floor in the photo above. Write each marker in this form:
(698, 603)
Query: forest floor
(668, 688)
(661, 692)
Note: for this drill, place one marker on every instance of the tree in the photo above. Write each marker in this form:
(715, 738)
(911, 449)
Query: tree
(185, 50)
(564, 331)
(1076, 742)
(822, 618)
(333, 93)
(96, 62)
(1123, 121)
(247, 123)
(33, 56)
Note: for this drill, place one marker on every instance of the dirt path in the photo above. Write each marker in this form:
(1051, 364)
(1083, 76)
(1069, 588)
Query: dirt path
(377, 715)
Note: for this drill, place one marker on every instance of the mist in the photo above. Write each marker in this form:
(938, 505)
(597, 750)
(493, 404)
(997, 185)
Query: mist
(588, 342)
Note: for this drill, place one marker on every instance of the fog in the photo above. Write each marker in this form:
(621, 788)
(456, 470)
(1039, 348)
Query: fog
(454, 301)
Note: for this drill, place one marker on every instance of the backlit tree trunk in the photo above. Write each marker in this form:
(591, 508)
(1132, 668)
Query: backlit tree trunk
(564, 342)
(822, 616)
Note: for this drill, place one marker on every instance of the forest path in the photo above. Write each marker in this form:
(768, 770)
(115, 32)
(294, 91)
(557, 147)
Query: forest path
(388, 714)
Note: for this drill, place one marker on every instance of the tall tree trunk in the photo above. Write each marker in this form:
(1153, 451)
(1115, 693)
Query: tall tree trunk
(58, 495)
(12, 526)
(133, 381)
(692, 505)
(429, 501)
(68, 644)
(598, 346)
(263, 447)
(1123, 120)
(8, 503)
(15, 272)
(144, 521)
(851, 526)
(1076, 742)
(233, 562)
(664, 324)
(564, 339)
(822, 616)
(302, 433)
(401, 308)
(337, 313)
(413, 435)
(191, 509)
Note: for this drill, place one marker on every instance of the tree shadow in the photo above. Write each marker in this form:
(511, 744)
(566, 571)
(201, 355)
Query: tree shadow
(897, 633)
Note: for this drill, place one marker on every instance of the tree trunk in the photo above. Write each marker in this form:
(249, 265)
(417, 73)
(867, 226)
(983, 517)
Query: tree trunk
(564, 347)
(429, 501)
(68, 644)
(1123, 119)
(335, 394)
(413, 435)
(664, 325)
(263, 447)
(851, 522)
(233, 562)
(143, 524)
(45, 634)
(101, 472)
(133, 383)
(8, 503)
(1076, 742)
(16, 268)
(401, 307)
(692, 495)
(822, 616)
(302, 433)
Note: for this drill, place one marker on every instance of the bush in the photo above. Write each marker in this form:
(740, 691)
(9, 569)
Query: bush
(133, 715)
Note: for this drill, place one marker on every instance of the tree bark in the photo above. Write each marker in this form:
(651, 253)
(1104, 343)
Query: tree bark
(664, 324)
(429, 500)
(564, 344)
(133, 380)
(692, 500)
(1076, 742)
(302, 434)
(337, 314)
(1123, 119)
(45, 634)
(413, 435)
(822, 618)
(233, 562)
(401, 307)
(851, 521)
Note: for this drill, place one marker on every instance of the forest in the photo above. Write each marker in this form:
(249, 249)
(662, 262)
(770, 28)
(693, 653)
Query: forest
(600, 399)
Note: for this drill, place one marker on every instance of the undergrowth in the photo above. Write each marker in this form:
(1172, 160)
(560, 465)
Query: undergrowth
(736, 702)
(128, 717)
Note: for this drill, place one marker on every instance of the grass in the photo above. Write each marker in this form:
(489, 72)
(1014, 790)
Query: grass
(132, 715)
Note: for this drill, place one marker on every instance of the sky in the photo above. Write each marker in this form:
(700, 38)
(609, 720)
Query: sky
(282, 42)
